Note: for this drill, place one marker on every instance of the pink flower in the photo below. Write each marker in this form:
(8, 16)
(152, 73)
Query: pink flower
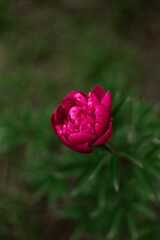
(83, 121)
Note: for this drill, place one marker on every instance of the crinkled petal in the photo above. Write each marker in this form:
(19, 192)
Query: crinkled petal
(70, 127)
(107, 102)
(75, 112)
(87, 125)
(81, 137)
(88, 120)
(104, 138)
(87, 128)
(98, 92)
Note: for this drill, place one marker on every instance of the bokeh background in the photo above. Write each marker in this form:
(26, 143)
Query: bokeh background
(47, 49)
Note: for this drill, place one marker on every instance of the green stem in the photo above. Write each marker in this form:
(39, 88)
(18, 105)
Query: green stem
(105, 147)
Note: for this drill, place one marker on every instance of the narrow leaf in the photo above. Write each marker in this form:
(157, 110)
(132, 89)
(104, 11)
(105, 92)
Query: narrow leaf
(114, 168)
(144, 210)
(88, 176)
(155, 172)
(132, 226)
(98, 168)
(120, 105)
(115, 224)
(130, 158)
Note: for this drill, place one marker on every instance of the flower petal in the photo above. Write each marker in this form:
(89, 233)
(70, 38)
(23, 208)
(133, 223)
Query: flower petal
(77, 95)
(87, 128)
(102, 116)
(81, 98)
(60, 114)
(59, 130)
(104, 138)
(98, 92)
(52, 123)
(99, 128)
(87, 125)
(81, 137)
(92, 101)
(83, 148)
(88, 120)
(75, 112)
(107, 102)
(64, 140)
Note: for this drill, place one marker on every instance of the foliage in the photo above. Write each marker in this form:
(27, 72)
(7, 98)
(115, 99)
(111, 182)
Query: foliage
(113, 193)
(117, 195)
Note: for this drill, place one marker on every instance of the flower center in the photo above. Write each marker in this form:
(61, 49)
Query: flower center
(80, 119)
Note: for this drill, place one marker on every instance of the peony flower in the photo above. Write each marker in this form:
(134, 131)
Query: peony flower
(83, 121)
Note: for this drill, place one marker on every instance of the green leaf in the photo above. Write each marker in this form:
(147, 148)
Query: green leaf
(88, 176)
(52, 198)
(115, 224)
(108, 147)
(82, 182)
(98, 167)
(154, 171)
(132, 226)
(144, 179)
(70, 170)
(42, 189)
(144, 210)
(60, 188)
(78, 231)
(120, 105)
(130, 158)
(105, 147)
(114, 168)
(72, 212)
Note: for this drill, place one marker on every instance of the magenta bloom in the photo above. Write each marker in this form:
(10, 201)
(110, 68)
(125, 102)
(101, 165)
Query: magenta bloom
(83, 121)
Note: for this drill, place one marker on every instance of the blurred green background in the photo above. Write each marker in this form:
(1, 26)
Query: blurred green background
(47, 49)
